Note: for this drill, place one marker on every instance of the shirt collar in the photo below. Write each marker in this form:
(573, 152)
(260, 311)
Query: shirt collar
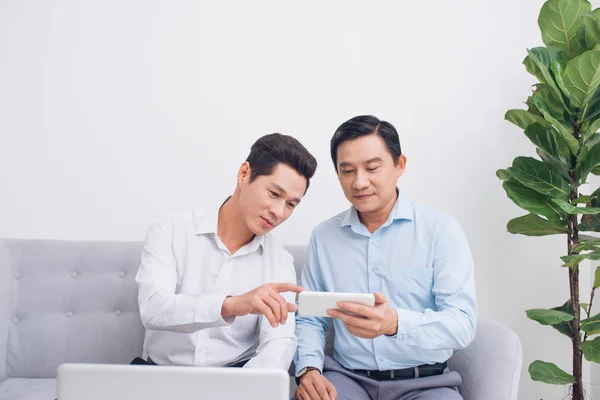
(402, 211)
(208, 222)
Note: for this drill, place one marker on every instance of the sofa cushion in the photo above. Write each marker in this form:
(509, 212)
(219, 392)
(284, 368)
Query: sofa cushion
(28, 389)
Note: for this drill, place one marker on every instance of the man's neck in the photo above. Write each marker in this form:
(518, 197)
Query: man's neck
(374, 220)
(230, 227)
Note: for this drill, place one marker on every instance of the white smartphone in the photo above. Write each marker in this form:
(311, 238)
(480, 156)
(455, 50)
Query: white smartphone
(316, 304)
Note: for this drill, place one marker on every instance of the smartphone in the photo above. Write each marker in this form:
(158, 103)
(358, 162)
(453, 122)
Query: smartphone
(316, 304)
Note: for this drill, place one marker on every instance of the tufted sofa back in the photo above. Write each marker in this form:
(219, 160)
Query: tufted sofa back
(70, 301)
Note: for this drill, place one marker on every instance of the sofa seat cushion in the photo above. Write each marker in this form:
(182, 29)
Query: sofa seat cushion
(28, 389)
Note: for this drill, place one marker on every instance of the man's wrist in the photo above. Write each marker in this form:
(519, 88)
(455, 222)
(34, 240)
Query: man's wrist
(393, 329)
(304, 371)
(227, 307)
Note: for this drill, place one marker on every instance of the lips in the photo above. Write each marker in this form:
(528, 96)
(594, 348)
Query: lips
(362, 196)
(268, 222)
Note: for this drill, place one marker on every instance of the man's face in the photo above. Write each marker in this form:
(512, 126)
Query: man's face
(367, 173)
(270, 199)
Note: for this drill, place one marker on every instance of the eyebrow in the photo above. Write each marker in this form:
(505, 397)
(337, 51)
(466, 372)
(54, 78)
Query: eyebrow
(372, 160)
(282, 190)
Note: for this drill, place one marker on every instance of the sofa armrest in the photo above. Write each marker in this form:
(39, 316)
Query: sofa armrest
(491, 366)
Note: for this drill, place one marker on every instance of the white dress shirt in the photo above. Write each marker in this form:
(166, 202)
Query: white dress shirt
(185, 274)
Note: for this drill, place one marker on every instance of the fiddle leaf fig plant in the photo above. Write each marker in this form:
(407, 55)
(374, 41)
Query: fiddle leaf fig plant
(561, 120)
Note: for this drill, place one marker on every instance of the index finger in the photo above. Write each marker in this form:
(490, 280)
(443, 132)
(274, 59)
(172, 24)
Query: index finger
(286, 287)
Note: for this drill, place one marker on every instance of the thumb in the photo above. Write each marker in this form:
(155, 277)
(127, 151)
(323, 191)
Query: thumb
(380, 298)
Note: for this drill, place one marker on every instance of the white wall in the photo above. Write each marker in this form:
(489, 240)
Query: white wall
(113, 111)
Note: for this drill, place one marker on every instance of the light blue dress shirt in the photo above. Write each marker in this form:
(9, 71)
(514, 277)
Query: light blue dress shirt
(420, 259)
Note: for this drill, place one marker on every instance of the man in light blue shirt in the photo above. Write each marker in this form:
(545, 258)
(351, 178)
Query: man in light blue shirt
(414, 259)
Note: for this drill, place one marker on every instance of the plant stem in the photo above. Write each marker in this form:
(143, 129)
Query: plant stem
(573, 241)
(589, 310)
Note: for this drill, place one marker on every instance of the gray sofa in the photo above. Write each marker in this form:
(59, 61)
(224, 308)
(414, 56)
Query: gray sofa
(69, 301)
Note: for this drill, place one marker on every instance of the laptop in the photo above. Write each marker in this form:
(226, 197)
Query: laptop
(145, 382)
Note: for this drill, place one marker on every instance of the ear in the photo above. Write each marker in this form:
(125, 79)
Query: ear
(244, 173)
(401, 165)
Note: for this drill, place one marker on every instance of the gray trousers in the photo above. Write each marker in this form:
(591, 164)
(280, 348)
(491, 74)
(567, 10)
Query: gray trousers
(351, 386)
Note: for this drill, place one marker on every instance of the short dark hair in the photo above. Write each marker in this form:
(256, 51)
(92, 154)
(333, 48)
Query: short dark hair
(366, 125)
(270, 150)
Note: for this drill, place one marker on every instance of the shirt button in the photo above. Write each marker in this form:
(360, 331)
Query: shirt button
(74, 274)
(118, 312)
(381, 359)
(17, 275)
(69, 314)
(122, 274)
(15, 320)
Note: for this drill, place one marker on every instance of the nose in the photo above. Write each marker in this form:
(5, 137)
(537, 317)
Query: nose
(360, 181)
(277, 210)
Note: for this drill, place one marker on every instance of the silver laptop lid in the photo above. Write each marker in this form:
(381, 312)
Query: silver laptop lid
(147, 382)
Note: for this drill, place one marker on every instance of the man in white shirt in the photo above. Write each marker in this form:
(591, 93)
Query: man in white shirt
(210, 280)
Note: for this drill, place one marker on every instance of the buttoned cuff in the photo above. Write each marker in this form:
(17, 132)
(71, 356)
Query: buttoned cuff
(208, 310)
(407, 321)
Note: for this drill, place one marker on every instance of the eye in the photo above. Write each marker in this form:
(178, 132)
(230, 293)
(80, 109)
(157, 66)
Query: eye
(372, 169)
(347, 171)
(273, 194)
(291, 205)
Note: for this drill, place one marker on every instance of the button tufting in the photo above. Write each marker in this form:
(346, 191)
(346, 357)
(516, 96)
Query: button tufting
(69, 314)
(118, 312)
(17, 275)
(122, 274)
(15, 320)
(74, 274)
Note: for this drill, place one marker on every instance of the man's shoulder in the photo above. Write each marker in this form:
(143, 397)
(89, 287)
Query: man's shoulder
(188, 218)
(330, 225)
(432, 218)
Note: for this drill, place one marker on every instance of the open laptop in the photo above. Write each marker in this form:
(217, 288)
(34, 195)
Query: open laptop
(144, 382)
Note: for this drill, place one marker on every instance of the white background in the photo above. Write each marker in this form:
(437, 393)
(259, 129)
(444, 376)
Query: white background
(113, 111)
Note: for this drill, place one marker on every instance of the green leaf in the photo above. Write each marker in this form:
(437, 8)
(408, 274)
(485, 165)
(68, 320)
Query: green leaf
(592, 30)
(592, 110)
(588, 163)
(582, 77)
(533, 201)
(551, 160)
(588, 34)
(594, 127)
(584, 306)
(503, 174)
(591, 350)
(565, 133)
(591, 325)
(532, 225)
(565, 327)
(591, 222)
(548, 317)
(558, 69)
(582, 200)
(573, 210)
(538, 63)
(540, 176)
(560, 20)
(597, 278)
(552, 100)
(531, 108)
(576, 259)
(573, 260)
(584, 245)
(549, 373)
(544, 137)
(523, 119)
